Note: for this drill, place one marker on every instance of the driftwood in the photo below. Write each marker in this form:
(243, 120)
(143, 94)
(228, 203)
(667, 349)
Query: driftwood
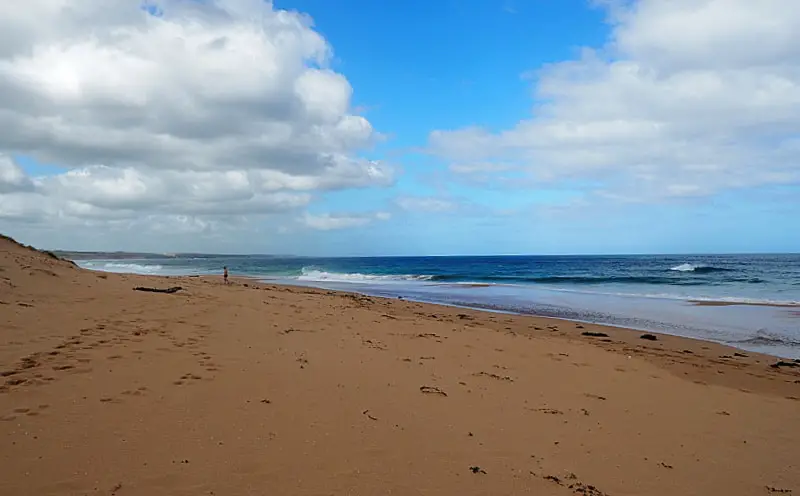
(782, 363)
(171, 290)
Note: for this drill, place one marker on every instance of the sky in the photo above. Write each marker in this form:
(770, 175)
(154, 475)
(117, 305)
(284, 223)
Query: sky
(358, 127)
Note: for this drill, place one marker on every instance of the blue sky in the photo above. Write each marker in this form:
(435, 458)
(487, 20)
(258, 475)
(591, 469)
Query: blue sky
(501, 127)
(451, 64)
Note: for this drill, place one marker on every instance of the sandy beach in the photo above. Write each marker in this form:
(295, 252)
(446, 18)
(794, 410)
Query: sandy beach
(252, 389)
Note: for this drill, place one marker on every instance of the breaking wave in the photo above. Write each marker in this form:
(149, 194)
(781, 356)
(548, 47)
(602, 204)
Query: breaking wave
(584, 280)
(128, 268)
(766, 338)
(697, 269)
(315, 275)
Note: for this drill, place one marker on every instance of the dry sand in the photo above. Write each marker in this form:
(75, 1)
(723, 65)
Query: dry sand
(260, 390)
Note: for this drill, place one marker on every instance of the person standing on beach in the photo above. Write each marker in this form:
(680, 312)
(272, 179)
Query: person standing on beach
(225, 274)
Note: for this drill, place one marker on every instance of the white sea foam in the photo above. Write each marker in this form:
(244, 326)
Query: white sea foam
(687, 267)
(679, 297)
(127, 268)
(315, 275)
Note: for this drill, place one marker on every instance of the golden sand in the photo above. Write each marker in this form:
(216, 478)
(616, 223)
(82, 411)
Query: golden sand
(251, 389)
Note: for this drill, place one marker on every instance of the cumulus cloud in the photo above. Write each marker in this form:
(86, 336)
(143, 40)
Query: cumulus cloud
(329, 222)
(174, 108)
(12, 177)
(688, 98)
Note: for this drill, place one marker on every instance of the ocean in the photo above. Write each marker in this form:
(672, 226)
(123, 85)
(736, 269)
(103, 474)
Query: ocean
(653, 293)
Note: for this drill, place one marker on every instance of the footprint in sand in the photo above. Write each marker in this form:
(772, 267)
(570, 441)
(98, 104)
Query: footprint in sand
(133, 392)
(187, 379)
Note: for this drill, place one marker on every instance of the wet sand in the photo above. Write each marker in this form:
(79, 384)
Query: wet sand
(704, 303)
(261, 389)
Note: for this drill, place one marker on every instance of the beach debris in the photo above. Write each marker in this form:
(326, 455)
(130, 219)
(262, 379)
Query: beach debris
(291, 330)
(477, 470)
(782, 363)
(549, 411)
(432, 390)
(594, 334)
(266, 401)
(578, 326)
(366, 412)
(587, 489)
(742, 355)
(595, 396)
(116, 488)
(171, 290)
(464, 316)
(649, 337)
(577, 487)
(665, 465)
(777, 490)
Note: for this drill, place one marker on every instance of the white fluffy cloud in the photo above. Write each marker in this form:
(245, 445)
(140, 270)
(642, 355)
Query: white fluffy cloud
(172, 110)
(689, 97)
(12, 178)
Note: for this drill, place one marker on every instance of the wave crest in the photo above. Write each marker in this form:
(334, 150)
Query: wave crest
(316, 275)
(697, 269)
(766, 338)
(128, 268)
(572, 280)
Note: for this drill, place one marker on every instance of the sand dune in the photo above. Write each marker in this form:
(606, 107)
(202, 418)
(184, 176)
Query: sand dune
(256, 389)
